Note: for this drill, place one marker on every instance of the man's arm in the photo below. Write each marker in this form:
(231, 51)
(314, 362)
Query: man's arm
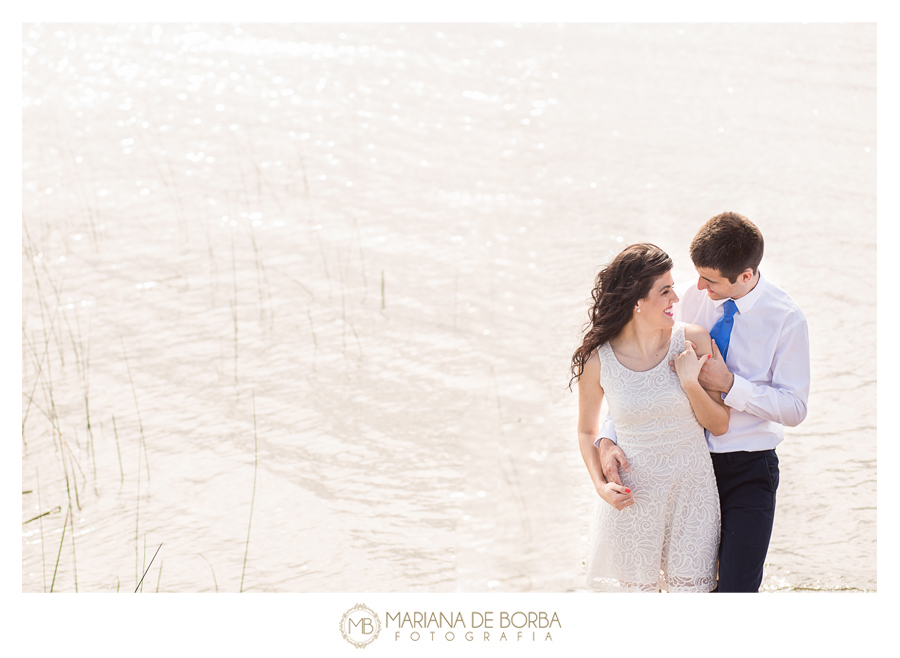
(612, 458)
(784, 400)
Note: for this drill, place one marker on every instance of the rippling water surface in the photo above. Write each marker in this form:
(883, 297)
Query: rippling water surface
(331, 276)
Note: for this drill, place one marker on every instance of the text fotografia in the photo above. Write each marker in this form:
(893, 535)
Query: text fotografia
(481, 626)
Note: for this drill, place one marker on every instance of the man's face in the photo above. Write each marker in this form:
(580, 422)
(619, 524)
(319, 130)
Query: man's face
(718, 286)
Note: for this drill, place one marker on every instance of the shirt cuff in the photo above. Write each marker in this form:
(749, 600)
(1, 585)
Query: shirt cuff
(607, 431)
(740, 393)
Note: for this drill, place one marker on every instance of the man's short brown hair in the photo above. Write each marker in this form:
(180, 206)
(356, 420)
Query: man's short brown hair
(729, 243)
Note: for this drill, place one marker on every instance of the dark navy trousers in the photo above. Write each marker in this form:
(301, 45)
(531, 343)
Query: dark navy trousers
(747, 483)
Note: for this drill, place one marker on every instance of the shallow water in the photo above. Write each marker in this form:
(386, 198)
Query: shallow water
(337, 272)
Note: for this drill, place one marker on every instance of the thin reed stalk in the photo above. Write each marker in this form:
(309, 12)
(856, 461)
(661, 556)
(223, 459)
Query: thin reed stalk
(356, 336)
(43, 514)
(137, 518)
(75, 457)
(138, 409)
(57, 291)
(52, 415)
(312, 329)
(182, 221)
(247, 156)
(62, 539)
(215, 582)
(38, 377)
(343, 307)
(362, 260)
(47, 336)
(512, 481)
(118, 451)
(293, 280)
(213, 268)
(234, 303)
(74, 484)
(455, 296)
(41, 518)
(83, 359)
(259, 285)
(94, 463)
(253, 497)
(312, 222)
(88, 208)
(148, 566)
(68, 157)
(93, 181)
(74, 561)
(262, 283)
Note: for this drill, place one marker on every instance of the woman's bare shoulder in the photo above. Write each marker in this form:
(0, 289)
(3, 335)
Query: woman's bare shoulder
(692, 331)
(592, 365)
(698, 336)
(591, 372)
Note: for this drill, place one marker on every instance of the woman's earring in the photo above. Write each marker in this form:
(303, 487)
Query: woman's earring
(638, 309)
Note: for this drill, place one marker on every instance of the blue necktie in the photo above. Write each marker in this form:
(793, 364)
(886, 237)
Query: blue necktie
(721, 331)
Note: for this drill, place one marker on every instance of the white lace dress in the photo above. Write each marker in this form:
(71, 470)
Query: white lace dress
(669, 538)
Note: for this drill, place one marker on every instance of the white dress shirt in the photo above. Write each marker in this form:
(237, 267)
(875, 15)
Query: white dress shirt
(769, 357)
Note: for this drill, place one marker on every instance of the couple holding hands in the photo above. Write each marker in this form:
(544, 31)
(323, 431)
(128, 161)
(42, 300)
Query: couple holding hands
(699, 380)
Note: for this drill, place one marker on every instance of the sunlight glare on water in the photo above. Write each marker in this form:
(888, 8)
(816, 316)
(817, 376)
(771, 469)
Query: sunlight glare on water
(351, 262)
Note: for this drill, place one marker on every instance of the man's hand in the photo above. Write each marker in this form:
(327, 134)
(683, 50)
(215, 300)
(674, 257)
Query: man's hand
(611, 460)
(715, 375)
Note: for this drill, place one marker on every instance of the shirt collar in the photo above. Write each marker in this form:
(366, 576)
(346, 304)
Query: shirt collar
(745, 303)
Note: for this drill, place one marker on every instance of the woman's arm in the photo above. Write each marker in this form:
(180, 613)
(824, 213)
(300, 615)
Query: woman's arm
(590, 397)
(708, 406)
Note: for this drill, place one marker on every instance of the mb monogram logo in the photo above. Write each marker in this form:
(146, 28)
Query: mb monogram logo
(360, 626)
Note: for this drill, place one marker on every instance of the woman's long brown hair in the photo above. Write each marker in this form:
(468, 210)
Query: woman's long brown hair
(617, 289)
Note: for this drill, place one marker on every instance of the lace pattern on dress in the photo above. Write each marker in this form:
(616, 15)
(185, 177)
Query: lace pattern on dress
(669, 538)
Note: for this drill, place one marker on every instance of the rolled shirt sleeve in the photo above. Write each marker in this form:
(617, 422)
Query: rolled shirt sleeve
(607, 431)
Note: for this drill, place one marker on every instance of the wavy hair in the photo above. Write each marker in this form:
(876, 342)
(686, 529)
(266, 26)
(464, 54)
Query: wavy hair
(617, 289)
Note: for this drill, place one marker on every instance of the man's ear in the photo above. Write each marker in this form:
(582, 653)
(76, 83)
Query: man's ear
(746, 275)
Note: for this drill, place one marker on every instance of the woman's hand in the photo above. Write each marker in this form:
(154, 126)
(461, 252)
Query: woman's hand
(616, 495)
(688, 364)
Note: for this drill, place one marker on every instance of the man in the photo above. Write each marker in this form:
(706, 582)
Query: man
(760, 363)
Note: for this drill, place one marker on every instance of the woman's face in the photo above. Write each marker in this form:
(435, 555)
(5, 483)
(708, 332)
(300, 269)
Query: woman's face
(656, 307)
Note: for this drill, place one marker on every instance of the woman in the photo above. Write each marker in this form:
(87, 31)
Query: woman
(661, 529)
